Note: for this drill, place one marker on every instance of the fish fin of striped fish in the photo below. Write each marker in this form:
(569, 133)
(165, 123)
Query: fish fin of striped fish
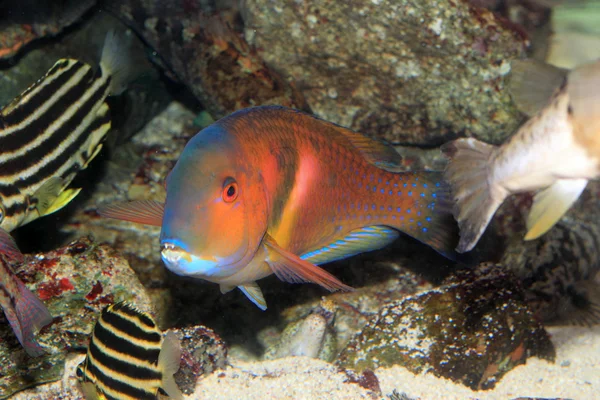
(8, 246)
(96, 150)
(90, 392)
(550, 204)
(168, 362)
(62, 200)
(146, 212)
(116, 62)
(253, 292)
(356, 242)
(47, 194)
(32, 315)
(377, 152)
(290, 268)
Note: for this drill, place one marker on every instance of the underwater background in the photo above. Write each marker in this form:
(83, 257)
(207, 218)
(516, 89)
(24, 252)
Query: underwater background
(510, 319)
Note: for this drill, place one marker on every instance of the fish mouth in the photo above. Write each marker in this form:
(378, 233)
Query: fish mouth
(182, 262)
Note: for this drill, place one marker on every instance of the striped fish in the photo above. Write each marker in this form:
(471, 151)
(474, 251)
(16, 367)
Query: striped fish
(128, 358)
(47, 134)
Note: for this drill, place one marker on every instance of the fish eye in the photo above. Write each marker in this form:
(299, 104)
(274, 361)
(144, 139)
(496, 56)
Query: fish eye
(230, 190)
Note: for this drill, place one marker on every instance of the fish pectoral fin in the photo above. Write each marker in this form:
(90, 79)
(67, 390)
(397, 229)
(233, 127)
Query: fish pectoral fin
(62, 200)
(356, 242)
(9, 247)
(47, 194)
(146, 212)
(290, 268)
(253, 292)
(550, 204)
(168, 362)
(532, 83)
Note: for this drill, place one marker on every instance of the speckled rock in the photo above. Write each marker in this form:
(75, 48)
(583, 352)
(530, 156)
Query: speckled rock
(75, 282)
(202, 352)
(22, 22)
(471, 330)
(409, 71)
(201, 44)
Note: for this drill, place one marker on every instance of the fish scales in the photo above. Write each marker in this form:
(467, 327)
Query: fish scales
(357, 193)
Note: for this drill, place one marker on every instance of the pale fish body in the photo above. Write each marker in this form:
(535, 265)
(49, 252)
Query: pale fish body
(48, 134)
(556, 152)
(271, 190)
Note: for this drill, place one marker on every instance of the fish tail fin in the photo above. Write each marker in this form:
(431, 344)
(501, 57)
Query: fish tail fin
(437, 228)
(31, 315)
(168, 361)
(116, 62)
(475, 199)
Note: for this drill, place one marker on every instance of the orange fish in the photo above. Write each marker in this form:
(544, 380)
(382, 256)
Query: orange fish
(274, 190)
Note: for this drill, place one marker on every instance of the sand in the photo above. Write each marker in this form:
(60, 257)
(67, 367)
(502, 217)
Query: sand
(574, 375)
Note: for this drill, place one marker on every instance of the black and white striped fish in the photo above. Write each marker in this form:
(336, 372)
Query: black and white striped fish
(128, 358)
(47, 134)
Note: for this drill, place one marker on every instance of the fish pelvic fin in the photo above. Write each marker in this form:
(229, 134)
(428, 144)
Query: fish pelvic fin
(116, 61)
(47, 194)
(290, 268)
(145, 212)
(32, 315)
(168, 361)
(475, 200)
(253, 292)
(550, 204)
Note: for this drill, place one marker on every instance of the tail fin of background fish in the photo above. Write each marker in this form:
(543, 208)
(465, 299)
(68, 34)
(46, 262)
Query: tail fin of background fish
(475, 204)
(442, 232)
(26, 314)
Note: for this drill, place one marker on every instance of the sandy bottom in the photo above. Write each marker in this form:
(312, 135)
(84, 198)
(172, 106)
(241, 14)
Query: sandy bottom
(575, 375)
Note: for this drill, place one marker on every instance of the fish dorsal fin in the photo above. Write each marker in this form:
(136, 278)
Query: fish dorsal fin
(168, 362)
(9, 247)
(47, 194)
(145, 212)
(551, 204)
(532, 84)
(358, 241)
(290, 268)
(62, 200)
(375, 151)
(253, 292)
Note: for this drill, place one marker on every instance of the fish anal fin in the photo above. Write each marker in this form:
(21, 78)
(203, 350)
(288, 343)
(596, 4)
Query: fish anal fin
(169, 360)
(550, 204)
(253, 292)
(89, 390)
(532, 84)
(290, 268)
(62, 200)
(357, 241)
(8, 246)
(146, 212)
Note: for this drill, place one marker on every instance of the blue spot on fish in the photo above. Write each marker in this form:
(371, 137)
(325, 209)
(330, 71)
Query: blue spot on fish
(434, 195)
(398, 209)
(382, 190)
(414, 185)
(410, 193)
(373, 207)
(424, 229)
(425, 185)
(422, 194)
(390, 192)
(408, 210)
(428, 219)
(437, 184)
(405, 185)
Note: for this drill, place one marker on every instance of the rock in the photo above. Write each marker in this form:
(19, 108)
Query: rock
(202, 352)
(472, 330)
(75, 282)
(408, 71)
(203, 47)
(19, 25)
